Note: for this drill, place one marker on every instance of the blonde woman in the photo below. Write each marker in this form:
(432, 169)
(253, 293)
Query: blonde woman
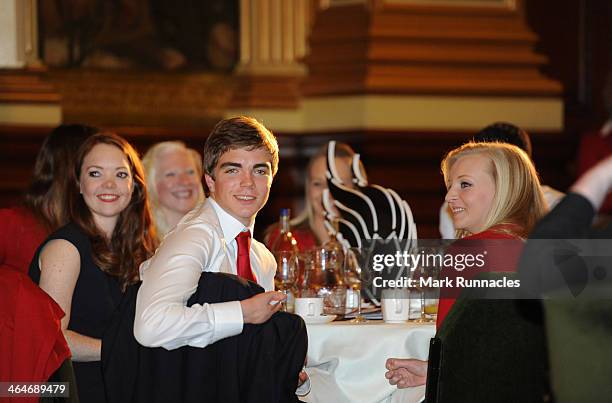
(492, 187)
(174, 180)
(494, 193)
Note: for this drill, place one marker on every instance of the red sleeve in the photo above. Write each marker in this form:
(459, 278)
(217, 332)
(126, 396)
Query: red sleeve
(5, 219)
(593, 148)
(31, 340)
(20, 237)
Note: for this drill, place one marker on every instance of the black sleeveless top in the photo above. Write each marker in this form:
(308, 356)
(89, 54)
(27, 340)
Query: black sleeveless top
(95, 297)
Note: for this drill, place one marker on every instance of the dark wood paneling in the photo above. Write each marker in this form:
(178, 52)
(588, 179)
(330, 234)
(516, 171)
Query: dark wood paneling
(19, 146)
(408, 162)
(577, 38)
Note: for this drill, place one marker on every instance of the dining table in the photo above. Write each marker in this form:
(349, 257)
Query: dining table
(346, 361)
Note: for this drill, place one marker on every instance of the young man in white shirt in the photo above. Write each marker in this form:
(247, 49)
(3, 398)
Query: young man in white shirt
(240, 160)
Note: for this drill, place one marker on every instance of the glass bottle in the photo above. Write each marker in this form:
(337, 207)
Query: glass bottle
(285, 250)
(329, 274)
(285, 240)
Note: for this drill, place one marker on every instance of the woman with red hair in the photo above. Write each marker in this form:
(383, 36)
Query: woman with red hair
(87, 264)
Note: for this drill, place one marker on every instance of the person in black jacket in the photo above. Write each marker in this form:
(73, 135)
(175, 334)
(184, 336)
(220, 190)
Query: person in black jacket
(567, 262)
(560, 247)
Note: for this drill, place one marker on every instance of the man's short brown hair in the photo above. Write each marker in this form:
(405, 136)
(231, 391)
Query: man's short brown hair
(239, 132)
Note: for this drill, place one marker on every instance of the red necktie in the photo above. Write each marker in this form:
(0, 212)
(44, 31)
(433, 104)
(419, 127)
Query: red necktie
(243, 260)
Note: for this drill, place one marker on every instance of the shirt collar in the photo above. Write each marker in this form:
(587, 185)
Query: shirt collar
(230, 226)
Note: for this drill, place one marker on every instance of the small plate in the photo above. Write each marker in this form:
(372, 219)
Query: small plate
(315, 320)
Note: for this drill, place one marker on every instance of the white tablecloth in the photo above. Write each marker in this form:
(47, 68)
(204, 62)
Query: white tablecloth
(346, 362)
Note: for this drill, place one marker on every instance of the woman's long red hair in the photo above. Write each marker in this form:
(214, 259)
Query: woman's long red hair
(133, 239)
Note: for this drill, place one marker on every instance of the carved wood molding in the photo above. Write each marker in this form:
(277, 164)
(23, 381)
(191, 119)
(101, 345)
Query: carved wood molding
(26, 86)
(255, 91)
(137, 98)
(424, 49)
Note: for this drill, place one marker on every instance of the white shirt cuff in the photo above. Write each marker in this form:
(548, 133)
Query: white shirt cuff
(304, 388)
(228, 319)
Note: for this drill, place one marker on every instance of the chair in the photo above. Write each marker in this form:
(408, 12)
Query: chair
(65, 373)
(489, 350)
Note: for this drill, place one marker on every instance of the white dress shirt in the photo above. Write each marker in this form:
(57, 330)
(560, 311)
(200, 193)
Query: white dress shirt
(551, 196)
(204, 240)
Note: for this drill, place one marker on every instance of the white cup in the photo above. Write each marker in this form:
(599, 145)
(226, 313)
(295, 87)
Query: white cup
(395, 305)
(308, 307)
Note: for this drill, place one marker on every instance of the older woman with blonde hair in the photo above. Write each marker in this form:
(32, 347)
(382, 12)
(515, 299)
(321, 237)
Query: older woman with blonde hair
(174, 180)
(494, 193)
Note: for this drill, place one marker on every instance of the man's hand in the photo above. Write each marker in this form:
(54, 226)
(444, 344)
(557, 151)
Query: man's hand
(259, 308)
(302, 377)
(303, 387)
(406, 373)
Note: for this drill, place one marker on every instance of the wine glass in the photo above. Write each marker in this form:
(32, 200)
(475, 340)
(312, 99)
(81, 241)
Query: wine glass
(353, 278)
(327, 279)
(287, 265)
(424, 274)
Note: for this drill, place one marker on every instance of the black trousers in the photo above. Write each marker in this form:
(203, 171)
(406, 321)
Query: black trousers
(259, 365)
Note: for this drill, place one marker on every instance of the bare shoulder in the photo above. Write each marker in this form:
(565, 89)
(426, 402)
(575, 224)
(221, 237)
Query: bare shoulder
(59, 254)
(60, 266)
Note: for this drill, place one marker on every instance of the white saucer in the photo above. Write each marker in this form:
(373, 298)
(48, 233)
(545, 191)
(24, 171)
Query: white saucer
(315, 320)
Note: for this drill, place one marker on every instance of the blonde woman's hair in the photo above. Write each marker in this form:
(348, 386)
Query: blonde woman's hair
(150, 162)
(518, 196)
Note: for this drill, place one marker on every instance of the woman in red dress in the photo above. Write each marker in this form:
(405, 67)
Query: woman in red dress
(31, 341)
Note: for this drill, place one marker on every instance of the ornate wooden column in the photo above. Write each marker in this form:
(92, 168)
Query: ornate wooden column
(272, 45)
(25, 98)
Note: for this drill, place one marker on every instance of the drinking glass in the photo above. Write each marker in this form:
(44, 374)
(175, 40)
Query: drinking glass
(354, 261)
(327, 279)
(287, 265)
(428, 269)
(306, 281)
